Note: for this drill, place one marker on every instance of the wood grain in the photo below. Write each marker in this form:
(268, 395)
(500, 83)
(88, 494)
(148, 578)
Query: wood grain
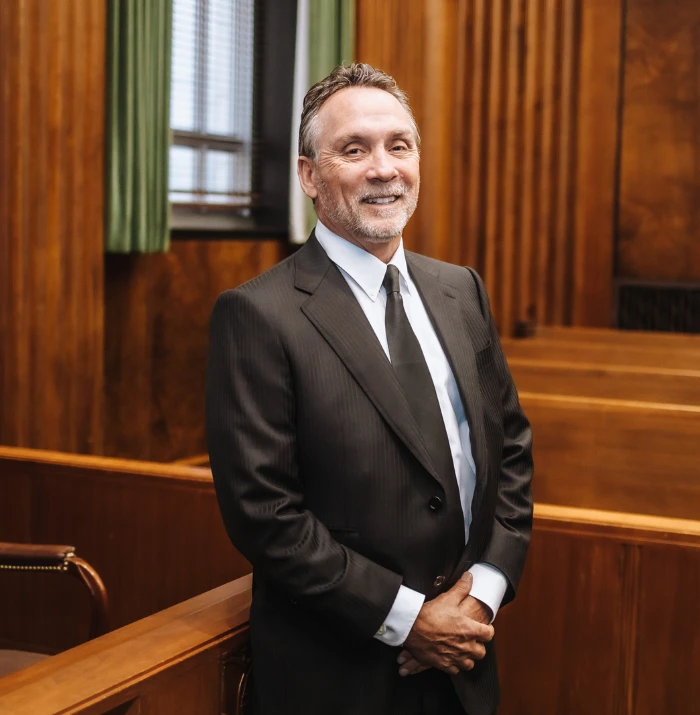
(659, 225)
(121, 517)
(616, 455)
(600, 624)
(51, 286)
(171, 662)
(157, 316)
(521, 183)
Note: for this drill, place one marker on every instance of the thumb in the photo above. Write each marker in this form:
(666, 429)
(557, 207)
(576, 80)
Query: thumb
(462, 588)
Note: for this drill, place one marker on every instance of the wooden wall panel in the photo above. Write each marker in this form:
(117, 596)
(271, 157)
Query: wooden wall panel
(517, 101)
(659, 229)
(51, 288)
(152, 531)
(157, 310)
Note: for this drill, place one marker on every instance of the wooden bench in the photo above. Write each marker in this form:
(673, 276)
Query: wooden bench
(622, 382)
(152, 531)
(608, 336)
(657, 355)
(605, 622)
(616, 454)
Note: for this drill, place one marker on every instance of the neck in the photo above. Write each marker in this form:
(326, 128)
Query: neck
(383, 250)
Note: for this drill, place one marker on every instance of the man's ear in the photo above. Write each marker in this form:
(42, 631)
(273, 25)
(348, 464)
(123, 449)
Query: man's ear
(306, 170)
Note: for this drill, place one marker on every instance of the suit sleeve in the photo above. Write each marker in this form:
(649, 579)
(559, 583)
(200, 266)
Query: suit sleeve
(512, 526)
(251, 436)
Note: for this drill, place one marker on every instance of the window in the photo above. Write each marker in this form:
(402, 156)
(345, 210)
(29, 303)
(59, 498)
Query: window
(211, 109)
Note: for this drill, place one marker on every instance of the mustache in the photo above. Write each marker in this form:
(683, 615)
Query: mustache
(385, 193)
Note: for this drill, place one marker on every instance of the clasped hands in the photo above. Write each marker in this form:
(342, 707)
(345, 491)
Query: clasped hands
(449, 632)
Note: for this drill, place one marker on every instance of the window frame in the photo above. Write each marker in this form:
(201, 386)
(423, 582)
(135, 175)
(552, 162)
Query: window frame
(274, 44)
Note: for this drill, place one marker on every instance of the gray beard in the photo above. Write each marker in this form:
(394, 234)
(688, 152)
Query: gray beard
(356, 226)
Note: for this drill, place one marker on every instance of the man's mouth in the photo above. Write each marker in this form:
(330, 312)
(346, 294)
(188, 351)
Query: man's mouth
(381, 200)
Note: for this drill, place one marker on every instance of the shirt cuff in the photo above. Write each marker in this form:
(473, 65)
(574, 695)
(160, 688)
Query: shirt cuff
(401, 618)
(489, 586)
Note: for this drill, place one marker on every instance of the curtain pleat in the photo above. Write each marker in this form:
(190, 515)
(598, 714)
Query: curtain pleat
(330, 42)
(137, 126)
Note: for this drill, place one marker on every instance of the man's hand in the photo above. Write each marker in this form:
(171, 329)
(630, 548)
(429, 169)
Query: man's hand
(449, 632)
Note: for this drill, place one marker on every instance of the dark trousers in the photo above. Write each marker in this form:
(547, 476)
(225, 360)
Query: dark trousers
(427, 693)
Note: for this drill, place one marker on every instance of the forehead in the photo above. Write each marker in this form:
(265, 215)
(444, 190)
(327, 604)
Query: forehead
(361, 110)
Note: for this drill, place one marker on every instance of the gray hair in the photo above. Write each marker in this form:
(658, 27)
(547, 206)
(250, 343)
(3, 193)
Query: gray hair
(357, 74)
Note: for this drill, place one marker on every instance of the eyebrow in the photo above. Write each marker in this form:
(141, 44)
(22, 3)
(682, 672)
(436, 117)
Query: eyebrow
(405, 134)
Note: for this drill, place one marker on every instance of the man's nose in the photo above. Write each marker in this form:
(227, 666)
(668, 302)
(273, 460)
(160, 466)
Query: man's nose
(382, 167)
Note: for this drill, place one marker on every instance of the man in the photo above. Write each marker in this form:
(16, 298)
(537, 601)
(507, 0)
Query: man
(368, 448)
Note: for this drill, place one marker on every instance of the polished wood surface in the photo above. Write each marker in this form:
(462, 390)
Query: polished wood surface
(182, 660)
(604, 336)
(152, 531)
(51, 174)
(517, 101)
(603, 619)
(659, 225)
(157, 311)
(613, 353)
(619, 455)
(599, 626)
(622, 382)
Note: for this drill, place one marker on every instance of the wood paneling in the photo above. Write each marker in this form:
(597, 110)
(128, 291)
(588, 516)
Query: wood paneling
(603, 623)
(659, 229)
(605, 619)
(614, 454)
(51, 288)
(517, 101)
(157, 326)
(152, 531)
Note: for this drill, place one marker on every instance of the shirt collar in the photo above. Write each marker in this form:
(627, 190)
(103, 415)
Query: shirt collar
(364, 268)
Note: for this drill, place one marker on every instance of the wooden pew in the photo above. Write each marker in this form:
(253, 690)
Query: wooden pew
(656, 355)
(615, 454)
(605, 622)
(152, 531)
(187, 660)
(622, 382)
(608, 336)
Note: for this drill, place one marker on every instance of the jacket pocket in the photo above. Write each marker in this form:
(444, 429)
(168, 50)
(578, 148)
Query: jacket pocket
(484, 357)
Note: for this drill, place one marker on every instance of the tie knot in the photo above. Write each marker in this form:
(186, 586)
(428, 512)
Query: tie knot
(391, 280)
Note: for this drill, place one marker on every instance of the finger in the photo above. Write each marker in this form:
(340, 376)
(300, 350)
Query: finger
(411, 667)
(461, 589)
(477, 651)
(481, 631)
(404, 655)
(467, 664)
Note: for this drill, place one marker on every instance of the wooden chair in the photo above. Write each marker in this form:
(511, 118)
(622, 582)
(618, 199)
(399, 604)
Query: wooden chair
(61, 559)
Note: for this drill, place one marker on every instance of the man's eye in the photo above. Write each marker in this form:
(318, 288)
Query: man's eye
(354, 152)
(400, 147)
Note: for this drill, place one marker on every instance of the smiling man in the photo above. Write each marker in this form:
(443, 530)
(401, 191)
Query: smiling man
(369, 452)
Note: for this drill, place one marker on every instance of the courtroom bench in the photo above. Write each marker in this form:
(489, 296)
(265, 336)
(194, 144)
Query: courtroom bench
(617, 455)
(605, 622)
(153, 531)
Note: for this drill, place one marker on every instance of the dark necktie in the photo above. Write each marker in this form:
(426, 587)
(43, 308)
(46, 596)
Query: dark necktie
(413, 375)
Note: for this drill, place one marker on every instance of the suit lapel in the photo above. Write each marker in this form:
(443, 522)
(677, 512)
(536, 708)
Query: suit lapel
(336, 314)
(441, 302)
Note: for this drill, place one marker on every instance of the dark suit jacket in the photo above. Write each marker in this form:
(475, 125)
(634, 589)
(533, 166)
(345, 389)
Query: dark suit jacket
(325, 484)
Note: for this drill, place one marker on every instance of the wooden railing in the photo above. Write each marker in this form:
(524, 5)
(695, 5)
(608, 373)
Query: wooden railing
(604, 622)
(188, 659)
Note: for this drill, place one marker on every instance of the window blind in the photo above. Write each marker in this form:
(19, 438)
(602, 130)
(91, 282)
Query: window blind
(211, 113)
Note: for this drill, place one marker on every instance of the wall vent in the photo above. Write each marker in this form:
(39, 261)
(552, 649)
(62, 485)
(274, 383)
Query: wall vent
(661, 307)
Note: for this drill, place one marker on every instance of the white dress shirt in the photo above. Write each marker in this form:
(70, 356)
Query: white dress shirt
(364, 274)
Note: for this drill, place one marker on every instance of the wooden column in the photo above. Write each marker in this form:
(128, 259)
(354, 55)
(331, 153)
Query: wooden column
(51, 284)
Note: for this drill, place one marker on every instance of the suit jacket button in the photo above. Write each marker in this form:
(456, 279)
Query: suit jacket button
(435, 503)
(439, 581)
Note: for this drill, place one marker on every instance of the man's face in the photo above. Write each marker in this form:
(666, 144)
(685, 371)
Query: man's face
(366, 176)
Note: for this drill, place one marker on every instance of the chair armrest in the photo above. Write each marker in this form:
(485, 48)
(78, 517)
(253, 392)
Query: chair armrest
(34, 555)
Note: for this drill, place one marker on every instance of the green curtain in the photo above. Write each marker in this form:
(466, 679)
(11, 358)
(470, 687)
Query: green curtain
(137, 125)
(331, 36)
(331, 43)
